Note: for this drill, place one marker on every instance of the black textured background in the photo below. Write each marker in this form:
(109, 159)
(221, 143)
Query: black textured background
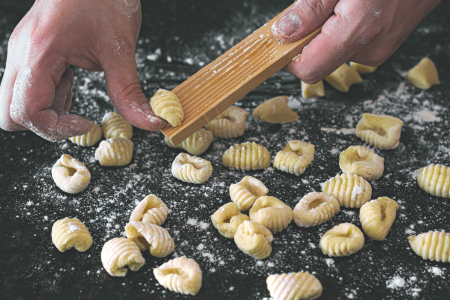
(177, 38)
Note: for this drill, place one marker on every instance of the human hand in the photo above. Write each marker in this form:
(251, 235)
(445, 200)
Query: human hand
(96, 35)
(366, 32)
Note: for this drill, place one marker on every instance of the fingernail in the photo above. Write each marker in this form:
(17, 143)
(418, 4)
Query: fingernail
(146, 109)
(288, 24)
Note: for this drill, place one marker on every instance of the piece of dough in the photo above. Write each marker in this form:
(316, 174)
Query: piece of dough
(150, 210)
(313, 90)
(118, 253)
(246, 156)
(383, 132)
(275, 110)
(89, 139)
(166, 105)
(435, 180)
(432, 245)
(71, 233)
(254, 239)
(294, 286)
(150, 237)
(361, 161)
(343, 78)
(377, 217)
(271, 212)
(362, 69)
(315, 209)
(424, 75)
(229, 124)
(295, 157)
(70, 175)
(196, 144)
(114, 152)
(245, 192)
(350, 190)
(115, 126)
(227, 219)
(191, 169)
(342, 240)
(180, 275)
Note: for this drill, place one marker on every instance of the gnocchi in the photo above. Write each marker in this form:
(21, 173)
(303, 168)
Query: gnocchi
(150, 237)
(71, 233)
(294, 286)
(432, 245)
(246, 156)
(229, 124)
(114, 152)
(181, 275)
(196, 144)
(191, 169)
(275, 110)
(115, 126)
(227, 219)
(272, 213)
(166, 105)
(89, 139)
(315, 209)
(118, 253)
(343, 78)
(150, 210)
(435, 180)
(295, 157)
(361, 161)
(350, 190)
(342, 240)
(254, 239)
(313, 90)
(70, 175)
(377, 217)
(424, 75)
(245, 192)
(383, 132)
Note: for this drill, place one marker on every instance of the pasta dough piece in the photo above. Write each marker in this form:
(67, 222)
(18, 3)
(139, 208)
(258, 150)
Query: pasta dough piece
(89, 139)
(191, 169)
(342, 240)
(295, 157)
(254, 239)
(150, 210)
(383, 132)
(245, 192)
(115, 126)
(246, 156)
(435, 180)
(350, 190)
(166, 105)
(70, 175)
(229, 124)
(313, 90)
(343, 78)
(114, 152)
(424, 75)
(275, 110)
(196, 144)
(361, 161)
(294, 286)
(314, 209)
(150, 236)
(377, 217)
(272, 213)
(227, 219)
(362, 69)
(71, 233)
(432, 245)
(181, 275)
(118, 253)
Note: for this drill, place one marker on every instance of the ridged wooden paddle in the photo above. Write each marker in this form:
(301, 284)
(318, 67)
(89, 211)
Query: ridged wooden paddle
(233, 75)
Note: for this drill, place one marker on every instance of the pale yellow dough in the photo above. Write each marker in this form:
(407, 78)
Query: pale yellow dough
(245, 192)
(115, 126)
(343, 78)
(271, 212)
(119, 253)
(435, 180)
(196, 144)
(424, 75)
(229, 124)
(350, 190)
(362, 69)
(191, 169)
(227, 219)
(377, 217)
(361, 161)
(294, 286)
(314, 209)
(313, 90)
(383, 132)
(295, 157)
(254, 239)
(114, 152)
(89, 139)
(432, 245)
(166, 105)
(275, 110)
(71, 233)
(150, 237)
(342, 240)
(246, 156)
(150, 210)
(70, 175)
(180, 275)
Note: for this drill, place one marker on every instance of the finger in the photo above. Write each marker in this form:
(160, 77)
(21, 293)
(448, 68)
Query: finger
(33, 97)
(61, 93)
(302, 18)
(6, 92)
(126, 94)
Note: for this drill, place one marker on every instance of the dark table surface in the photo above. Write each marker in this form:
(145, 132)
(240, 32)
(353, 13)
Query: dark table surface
(177, 38)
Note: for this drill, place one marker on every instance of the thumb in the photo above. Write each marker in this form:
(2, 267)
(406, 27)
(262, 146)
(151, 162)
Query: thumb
(302, 18)
(123, 87)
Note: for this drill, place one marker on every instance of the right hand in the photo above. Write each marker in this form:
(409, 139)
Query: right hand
(95, 35)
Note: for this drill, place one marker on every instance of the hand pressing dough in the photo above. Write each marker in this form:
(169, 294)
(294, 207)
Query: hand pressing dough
(166, 105)
(424, 75)
(313, 90)
(362, 69)
(275, 110)
(343, 78)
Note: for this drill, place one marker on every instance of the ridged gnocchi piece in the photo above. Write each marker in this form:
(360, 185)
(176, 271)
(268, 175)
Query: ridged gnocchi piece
(295, 157)
(89, 139)
(294, 286)
(114, 152)
(272, 213)
(191, 169)
(435, 180)
(254, 239)
(276, 111)
(150, 236)
(343, 78)
(118, 253)
(362, 69)
(315, 209)
(196, 144)
(115, 126)
(227, 219)
(70, 175)
(361, 161)
(342, 240)
(180, 275)
(313, 90)
(71, 233)
(166, 105)
(350, 190)
(377, 217)
(424, 75)
(432, 245)
(229, 124)
(150, 210)
(245, 192)
(246, 156)
(383, 132)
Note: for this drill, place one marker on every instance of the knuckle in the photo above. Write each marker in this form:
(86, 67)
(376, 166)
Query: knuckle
(314, 8)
